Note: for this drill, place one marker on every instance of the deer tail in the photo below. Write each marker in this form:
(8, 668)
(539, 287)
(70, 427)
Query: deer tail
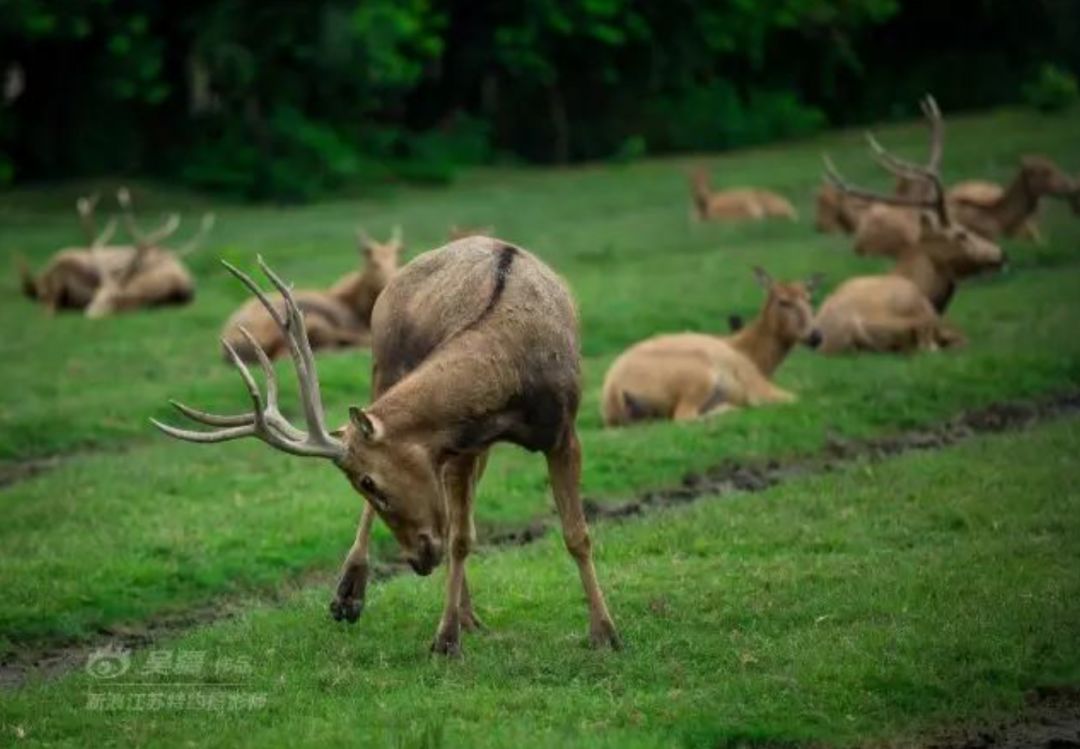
(26, 278)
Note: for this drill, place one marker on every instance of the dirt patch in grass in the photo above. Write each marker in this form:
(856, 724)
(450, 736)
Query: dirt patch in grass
(1050, 720)
(755, 476)
(49, 660)
(14, 471)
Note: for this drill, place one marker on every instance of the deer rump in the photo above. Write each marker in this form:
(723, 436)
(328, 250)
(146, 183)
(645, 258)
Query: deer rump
(879, 313)
(484, 300)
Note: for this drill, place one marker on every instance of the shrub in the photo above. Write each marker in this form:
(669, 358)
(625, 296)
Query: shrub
(1052, 90)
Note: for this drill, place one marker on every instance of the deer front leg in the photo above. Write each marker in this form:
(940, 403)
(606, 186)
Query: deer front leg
(458, 483)
(564, 472)
(348, 602)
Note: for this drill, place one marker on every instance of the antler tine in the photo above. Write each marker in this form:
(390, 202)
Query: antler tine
(937, 131)
(84, 207)
(300, 348)
(205, 226)
(106, 234)
(213, 420)
(273, 414)
(168, 228)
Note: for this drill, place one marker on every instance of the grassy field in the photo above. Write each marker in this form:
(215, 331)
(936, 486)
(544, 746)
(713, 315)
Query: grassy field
(128, 525)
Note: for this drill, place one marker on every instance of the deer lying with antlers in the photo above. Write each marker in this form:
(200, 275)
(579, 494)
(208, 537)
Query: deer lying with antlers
(154, 275)
(901, 311)
(993, 211)
(837, 213)
(474, 343)
(740, 203)
(337, 317)
(102, 279)
(687, 376)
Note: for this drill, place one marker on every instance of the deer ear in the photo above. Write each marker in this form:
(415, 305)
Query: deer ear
(763, 278)
(368, 425)
(814, 282)
(396, 236)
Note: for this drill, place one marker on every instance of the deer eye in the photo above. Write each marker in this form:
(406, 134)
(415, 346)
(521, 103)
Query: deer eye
(367, 484)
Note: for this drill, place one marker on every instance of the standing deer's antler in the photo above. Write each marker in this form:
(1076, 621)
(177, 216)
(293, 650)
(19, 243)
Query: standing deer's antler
(265, 421)
(929, 174)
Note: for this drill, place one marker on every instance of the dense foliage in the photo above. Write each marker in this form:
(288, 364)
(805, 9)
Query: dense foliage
(283, 99)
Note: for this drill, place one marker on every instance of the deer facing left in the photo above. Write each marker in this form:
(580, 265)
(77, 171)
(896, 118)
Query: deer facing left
(474, 343)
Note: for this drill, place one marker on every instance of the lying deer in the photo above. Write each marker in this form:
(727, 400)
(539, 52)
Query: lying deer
(337, 317)
(901, 311)
(994, 211)
(741, 203)
(474, 343)
(685, 376)
(153, 275)
(73, 274)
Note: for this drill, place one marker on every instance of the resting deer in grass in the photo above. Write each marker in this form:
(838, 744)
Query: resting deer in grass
(902, 310)
(994, 212)
(474, 343)
(741, 203)
(337, 317)
(73, 274)
(685, 376)
(153, 275)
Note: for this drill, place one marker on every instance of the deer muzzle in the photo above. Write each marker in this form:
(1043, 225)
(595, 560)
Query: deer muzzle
(427, 556)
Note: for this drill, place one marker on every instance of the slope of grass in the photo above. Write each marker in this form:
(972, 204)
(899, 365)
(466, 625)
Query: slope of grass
(854, 606)
(145, 524)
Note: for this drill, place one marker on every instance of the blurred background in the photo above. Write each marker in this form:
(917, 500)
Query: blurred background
(288, 101)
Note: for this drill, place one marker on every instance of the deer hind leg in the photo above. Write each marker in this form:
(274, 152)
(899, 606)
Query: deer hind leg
(564, 472)
(458, 482)
(348, 600)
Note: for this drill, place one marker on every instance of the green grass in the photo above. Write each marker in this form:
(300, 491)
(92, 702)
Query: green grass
(876, 602)
(133, 524)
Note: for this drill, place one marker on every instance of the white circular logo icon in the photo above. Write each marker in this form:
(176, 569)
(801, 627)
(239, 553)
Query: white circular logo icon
(108, 663)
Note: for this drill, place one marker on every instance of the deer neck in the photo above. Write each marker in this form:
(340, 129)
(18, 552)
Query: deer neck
(449, 392)
(921, 271)
(1016, 205)
(702, 194)
(762, 345)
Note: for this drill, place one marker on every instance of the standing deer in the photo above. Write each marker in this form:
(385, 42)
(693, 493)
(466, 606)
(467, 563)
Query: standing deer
(901, 311)
(154, 275)
(339, 316)
(685, 376)
(474, 343)
(993, 211)
(741, 203)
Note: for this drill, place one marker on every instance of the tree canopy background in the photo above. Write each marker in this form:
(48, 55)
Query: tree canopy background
(280, 99)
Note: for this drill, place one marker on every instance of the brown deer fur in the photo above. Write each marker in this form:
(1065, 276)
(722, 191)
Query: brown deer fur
(837, 213)
(337, 317)
(740, 203)
(473, 343)
(686, 376)
(982, 192)
(1018, 203)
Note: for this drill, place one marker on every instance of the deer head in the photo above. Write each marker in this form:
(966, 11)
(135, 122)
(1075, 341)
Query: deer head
(946, 243)
(1043, 177)
(380, 258)
(788, 314)
(398, 475)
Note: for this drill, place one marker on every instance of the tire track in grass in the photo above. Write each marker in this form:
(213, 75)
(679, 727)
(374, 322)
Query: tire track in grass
(51, 660)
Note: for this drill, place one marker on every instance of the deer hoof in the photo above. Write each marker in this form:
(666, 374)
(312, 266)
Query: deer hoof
(344, 609)
(604, 636)
(446, 643)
